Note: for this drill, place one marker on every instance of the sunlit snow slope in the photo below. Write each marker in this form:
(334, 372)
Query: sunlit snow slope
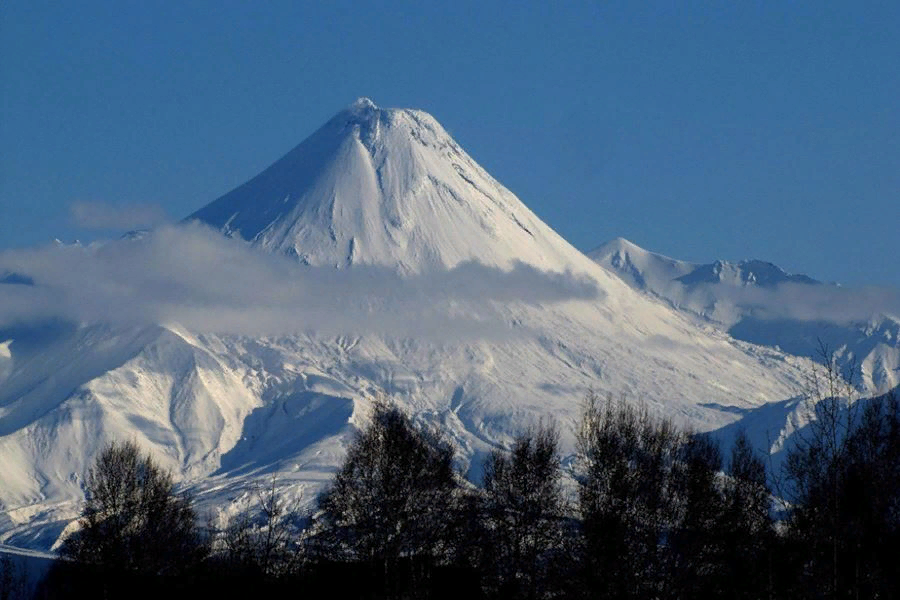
(388, 187)
(373, 186)
(758, 302)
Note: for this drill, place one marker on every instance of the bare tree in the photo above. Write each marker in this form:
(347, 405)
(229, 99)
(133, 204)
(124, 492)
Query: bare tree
(626, 459)
(695, 540)
(265, 542)
(844, 475)
(524, 510)
(748, 523)
(392, 498)
(132, 519)
(815, 468)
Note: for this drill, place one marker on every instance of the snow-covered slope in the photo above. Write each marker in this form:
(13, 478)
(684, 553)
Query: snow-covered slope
(639, 268)
(372, 187)
(758, 302)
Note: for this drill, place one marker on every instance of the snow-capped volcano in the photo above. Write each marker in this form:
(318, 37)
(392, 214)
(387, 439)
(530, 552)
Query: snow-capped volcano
(373, 191)
(387, 187)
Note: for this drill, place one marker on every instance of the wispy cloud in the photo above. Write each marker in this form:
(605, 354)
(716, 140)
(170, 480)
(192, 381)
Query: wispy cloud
(795, 301)
(105, 215)
(193, 276)
(823, 302)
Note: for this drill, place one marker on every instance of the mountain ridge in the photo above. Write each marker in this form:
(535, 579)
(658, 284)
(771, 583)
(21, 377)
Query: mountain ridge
(626, 257)
(724, 294)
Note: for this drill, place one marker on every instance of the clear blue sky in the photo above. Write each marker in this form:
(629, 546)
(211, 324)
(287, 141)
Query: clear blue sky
(712, 130)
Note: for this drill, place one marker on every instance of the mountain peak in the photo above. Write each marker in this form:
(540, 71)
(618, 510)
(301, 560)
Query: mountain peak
(614, 246)
(387, 187)
(363, 103)
(637, 266)
(361, 111)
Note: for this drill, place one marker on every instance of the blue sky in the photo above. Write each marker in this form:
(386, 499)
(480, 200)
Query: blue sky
(703, 130)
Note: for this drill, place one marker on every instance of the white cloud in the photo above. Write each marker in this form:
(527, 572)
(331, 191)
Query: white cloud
(795, 301)
(193, 276)
(824, 302)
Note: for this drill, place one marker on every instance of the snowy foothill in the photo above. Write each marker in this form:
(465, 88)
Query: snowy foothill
(758, 302)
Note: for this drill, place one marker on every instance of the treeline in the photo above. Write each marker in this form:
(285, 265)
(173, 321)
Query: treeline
(655, 512)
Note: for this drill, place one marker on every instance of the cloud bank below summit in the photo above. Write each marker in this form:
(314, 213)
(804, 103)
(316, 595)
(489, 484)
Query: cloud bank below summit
(794, 301)
(193, 276)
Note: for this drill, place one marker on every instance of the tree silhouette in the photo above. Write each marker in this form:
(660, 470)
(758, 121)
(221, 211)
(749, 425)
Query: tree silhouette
(133, 527)
(747, 523)
(392, 498)
(625, 469)
(846, 512)
(132, 519)
(524, 510)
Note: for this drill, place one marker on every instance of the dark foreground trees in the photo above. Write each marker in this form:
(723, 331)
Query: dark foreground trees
(398, 506)
(264, 544)
(132, 518)
(14, 584)
(626, 461)
(525, 518)
(133, 528)
(748, 524)
(844, 481)
(392, 503)
(660, 513)
(660, 518)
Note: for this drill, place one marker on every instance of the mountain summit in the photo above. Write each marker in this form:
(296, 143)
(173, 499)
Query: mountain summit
(387, 187)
